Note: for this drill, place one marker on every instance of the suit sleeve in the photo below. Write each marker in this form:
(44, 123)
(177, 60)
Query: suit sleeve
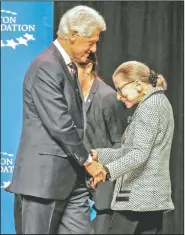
(52, 108)
(115, 118)
(145, 132)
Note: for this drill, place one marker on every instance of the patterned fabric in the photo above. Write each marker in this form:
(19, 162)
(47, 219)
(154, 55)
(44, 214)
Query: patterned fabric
(74, 73)
(141, 165)
(73, 68)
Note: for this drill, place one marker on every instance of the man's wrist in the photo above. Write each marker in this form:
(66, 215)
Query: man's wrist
(88, 161)
(94, 154)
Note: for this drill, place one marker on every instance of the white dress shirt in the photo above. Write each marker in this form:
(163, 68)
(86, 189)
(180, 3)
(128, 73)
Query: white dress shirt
(64, 54)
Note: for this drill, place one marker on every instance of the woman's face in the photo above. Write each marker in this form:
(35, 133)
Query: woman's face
(128, 92)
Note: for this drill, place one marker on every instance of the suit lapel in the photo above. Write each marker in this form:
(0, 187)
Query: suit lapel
(69, 76)
(91, 95)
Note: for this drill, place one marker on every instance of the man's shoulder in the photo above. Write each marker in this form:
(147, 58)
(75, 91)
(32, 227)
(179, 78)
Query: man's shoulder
(46, 59)
(47, 55)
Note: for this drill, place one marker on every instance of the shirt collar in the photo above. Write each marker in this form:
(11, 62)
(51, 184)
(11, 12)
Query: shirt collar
(151, 92)
(62, 51)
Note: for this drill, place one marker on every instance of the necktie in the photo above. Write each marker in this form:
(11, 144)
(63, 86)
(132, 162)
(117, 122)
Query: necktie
(74, 73)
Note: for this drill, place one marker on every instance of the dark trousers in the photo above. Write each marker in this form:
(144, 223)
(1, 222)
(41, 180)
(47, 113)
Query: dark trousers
(44, 216)
(130, 222)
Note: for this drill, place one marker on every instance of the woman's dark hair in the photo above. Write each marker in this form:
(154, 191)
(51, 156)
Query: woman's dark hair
(92, 58)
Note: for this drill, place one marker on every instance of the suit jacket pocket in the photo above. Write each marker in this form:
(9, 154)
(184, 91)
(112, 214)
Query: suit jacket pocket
(54, 150)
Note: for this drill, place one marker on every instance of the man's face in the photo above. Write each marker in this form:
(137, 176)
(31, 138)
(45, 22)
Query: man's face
(81, 46)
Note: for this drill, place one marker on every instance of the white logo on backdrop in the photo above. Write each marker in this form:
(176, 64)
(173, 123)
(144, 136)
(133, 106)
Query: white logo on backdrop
(7, 154)
(9, 24)
(5, 184)
(7, 164)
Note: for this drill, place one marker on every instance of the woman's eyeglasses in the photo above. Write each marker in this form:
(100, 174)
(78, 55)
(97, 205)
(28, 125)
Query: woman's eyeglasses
(118, 89)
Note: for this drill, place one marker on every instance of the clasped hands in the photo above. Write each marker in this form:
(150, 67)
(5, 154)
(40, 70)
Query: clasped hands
(96, 170)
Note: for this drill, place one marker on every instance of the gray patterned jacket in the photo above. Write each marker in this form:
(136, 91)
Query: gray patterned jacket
(141, 166)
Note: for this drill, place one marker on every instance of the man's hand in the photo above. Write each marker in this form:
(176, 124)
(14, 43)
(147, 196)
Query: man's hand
(94, 154)
(97, 179)
(94, 169)
(92, 183)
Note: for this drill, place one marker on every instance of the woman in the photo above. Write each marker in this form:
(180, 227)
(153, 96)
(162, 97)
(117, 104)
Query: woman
(141, 166)
(106, 117)
(106, 120)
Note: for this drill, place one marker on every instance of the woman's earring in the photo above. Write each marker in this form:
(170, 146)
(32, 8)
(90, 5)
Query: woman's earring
(139, 88)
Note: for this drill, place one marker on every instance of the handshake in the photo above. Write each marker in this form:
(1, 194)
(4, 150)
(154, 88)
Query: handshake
(95, 169)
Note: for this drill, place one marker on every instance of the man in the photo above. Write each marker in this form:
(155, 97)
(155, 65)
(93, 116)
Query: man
(49, 174)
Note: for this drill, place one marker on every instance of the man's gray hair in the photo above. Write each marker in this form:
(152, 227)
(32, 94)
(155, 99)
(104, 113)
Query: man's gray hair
(82, 19)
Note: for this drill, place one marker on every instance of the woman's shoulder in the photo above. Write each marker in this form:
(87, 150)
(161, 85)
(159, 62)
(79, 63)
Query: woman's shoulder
(156, 106)
(104, 88)
(158, 100)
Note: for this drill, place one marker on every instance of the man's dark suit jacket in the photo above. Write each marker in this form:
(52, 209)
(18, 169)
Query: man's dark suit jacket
(106, 117)
(51, 150)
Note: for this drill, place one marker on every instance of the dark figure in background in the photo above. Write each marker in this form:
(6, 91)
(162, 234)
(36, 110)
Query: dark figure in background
(106, 120)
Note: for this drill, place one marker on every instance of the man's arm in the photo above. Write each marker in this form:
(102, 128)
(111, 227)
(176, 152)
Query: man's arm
(52, 108)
